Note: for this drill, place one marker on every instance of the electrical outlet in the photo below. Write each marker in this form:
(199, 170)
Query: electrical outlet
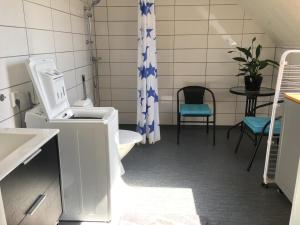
(13, 99)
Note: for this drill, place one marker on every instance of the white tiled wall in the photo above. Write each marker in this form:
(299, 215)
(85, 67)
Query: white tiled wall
(55, 28)
(194, 37)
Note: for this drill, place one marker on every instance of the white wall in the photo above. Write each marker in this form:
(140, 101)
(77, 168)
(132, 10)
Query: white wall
(280, 18)
(40, 27)
(193, 39)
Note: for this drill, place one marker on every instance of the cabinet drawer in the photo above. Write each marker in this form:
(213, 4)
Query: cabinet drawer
(49, 210)
(23, 185)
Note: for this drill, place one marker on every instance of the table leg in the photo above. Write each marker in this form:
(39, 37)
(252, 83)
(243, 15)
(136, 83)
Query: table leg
(251, 103)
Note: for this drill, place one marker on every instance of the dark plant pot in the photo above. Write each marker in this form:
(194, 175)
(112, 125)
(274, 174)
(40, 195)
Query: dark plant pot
(253, 83)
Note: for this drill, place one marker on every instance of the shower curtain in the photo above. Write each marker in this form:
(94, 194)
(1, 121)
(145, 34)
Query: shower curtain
(147, 104)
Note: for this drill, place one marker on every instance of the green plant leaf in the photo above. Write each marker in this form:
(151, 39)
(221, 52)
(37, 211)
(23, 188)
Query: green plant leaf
(258, 51)
(239, 59)
(272, 62)
(231, 51)
(241, 74)
(246, 52)
(253, 39)
(244, 69)
(263, 64)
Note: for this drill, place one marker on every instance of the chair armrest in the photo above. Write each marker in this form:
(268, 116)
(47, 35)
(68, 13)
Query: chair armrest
(264, 105)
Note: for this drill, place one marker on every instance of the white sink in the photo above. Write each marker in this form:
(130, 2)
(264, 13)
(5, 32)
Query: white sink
(11, 142)
(17, 145)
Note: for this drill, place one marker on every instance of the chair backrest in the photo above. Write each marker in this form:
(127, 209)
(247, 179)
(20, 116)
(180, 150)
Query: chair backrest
(193, 94)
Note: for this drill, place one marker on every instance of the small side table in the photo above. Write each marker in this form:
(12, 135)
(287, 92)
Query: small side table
(251, 100)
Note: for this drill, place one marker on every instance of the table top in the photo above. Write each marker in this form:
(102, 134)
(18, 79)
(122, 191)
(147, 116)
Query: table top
(293, 96)
(263, 91)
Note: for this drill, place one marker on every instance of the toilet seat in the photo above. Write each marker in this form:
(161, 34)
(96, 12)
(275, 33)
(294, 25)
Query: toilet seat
(127, 139)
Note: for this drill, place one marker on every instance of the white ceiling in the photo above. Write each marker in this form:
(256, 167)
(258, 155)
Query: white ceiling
(280, 18)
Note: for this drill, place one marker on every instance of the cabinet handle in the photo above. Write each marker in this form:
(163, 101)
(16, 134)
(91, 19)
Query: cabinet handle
(37, 203)
(32, 156)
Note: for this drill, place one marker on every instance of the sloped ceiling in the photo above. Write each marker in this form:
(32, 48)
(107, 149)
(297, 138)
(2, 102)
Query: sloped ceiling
(280, 18)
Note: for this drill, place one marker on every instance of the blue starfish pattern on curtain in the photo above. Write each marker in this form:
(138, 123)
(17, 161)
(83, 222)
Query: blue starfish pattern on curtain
(148, 98)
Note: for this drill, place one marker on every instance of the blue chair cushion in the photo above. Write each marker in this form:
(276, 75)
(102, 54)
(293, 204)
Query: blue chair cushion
(256, 124)
(195, 110)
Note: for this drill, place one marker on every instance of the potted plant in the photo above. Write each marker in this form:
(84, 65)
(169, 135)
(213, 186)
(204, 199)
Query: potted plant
(251, 65)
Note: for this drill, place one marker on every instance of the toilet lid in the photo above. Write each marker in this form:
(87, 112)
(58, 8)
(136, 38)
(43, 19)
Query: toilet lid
(129, 137)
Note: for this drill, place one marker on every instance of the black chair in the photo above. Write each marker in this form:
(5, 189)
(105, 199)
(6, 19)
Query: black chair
(258, 127)
(194, 107)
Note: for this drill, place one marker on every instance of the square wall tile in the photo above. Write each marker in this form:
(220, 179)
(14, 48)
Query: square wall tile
(165, 2)
(79, 42)
(13, 41)
(190, 55)
(61, 21)
(122, 28)
(225, 26)
(124, 69)
(190, 41)
(165, 55)
(165, 69)
(78, 25)
(63, 42)
(226, 12)
(103, 55)
(192, 2)
(102, 42)
(123, 56)
(77, 7)
(220, 55)
(121, 3)
(222, 69)
(191, 27)
(40, 41)
(42, 2)
(62, 5)
(165, 27)
(165, 81)
(37, 16)
(122, 13)
(124, 82)
(100, 13)
(123, 42)
(191, 12)
(124, 94)
(224, 41)
(180, 81)
(182, 69)
(165, 42)
(165, 12)
(101, 28)
(13, 71)
(13, 14)
(65, 61)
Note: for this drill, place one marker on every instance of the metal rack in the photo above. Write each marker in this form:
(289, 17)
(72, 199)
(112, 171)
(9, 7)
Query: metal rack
(288, 80)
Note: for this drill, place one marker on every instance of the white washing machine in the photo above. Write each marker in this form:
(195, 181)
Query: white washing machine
(88, 146)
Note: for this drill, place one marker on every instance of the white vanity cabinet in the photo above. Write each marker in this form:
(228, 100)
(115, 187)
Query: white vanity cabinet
(31, 192)
(289, 150)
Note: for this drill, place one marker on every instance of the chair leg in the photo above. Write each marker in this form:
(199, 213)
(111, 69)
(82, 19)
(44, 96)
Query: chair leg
(178, 128)
(254, 154)
(207, 124)
(214, 132)
(255, 140)
(240, 139)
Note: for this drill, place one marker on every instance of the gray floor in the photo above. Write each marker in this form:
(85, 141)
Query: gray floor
(224, 193)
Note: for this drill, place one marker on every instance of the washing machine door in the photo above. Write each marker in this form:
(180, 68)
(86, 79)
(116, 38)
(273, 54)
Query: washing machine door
(49, 85)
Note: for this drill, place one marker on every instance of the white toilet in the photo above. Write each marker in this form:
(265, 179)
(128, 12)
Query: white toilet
(127, 139)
